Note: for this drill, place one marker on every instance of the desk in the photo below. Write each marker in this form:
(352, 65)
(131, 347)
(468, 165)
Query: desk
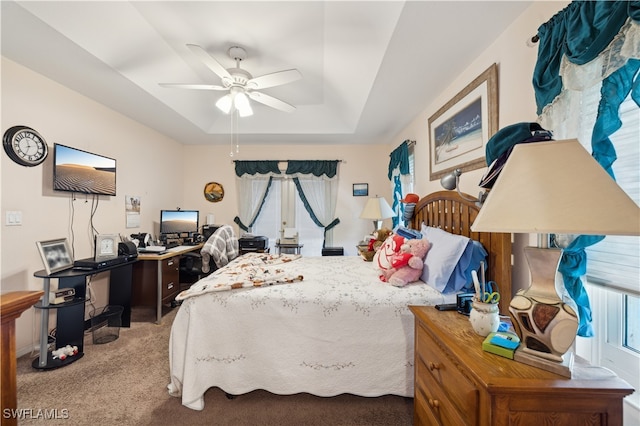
(157, 278)
(286, 248)
(70, 316)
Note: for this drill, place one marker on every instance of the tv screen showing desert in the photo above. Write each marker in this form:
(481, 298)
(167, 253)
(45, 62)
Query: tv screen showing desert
(80, 171)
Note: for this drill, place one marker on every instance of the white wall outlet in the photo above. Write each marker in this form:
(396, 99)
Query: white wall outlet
(14, 218)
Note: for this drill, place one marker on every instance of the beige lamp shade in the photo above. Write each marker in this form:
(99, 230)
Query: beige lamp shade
(557, 187)
(376, 208)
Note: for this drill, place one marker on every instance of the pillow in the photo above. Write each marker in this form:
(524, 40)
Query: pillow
(470, 260)
(448, 265)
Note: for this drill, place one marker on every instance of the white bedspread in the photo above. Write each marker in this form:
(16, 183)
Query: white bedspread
(340, 330)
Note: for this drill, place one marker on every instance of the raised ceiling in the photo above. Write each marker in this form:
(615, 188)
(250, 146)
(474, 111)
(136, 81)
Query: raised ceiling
(369, 67)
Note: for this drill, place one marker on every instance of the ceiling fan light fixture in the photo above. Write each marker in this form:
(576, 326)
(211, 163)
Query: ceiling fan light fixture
(241, 102)
(224, 104)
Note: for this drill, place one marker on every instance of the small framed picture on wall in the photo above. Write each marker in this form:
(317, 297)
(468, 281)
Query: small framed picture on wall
(360, 189)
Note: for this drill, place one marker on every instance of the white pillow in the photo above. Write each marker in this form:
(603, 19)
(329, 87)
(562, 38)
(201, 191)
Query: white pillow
(443, 256)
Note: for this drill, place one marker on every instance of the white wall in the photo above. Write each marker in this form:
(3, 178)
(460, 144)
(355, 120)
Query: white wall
(63, 116)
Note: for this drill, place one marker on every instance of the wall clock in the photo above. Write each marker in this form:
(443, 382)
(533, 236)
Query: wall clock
(214, 192)
(25, 146)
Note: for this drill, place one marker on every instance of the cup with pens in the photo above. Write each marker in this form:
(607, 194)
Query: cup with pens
(485, 312)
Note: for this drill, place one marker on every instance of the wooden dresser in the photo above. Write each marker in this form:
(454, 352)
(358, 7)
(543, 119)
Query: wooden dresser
(457, 383)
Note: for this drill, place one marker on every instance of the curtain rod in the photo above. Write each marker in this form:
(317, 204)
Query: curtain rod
(286, 161)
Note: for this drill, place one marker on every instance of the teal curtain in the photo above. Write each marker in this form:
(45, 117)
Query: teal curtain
(316, 167)
(259, 167)
(580, 32)
(399, 159)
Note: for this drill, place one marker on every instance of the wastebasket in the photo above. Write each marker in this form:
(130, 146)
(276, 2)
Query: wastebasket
(106, 323)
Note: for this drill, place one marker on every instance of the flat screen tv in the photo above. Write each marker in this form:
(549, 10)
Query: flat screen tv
(75, 170)
(179, 221)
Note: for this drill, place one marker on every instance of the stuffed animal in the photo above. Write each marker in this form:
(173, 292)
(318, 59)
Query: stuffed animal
(382, 257)
(63, 353)
(369, 249)
(408, 263)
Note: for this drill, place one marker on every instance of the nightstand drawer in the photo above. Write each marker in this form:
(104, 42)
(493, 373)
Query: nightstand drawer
(441, 371)
(434, 403)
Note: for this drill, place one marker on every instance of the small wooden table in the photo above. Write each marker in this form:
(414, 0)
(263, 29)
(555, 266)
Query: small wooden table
(289, 248)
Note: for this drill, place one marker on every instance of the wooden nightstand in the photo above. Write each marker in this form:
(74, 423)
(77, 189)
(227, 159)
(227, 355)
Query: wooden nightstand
(457, 383)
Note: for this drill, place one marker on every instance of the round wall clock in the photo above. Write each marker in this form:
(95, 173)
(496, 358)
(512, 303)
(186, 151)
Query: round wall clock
(25, 146)
(213, 192)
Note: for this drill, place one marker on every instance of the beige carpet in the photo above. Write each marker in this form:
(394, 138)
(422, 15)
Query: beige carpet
(125, 382)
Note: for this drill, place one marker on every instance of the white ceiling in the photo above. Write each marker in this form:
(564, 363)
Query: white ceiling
(369, 67)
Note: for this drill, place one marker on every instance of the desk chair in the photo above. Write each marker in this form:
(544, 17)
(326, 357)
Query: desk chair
(191, 269)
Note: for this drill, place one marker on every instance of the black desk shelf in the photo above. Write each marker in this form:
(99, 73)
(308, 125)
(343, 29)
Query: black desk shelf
(70, 318)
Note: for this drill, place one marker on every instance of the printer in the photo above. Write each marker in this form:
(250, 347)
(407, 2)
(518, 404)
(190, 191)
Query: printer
(249, 243)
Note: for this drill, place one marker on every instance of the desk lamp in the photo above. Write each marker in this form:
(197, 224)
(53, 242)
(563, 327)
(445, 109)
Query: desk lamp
(552, 187)
(376, 209)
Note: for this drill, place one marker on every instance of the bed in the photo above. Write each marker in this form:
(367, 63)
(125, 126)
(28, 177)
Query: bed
(324, 326)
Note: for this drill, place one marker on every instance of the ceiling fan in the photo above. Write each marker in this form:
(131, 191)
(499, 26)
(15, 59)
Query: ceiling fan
(240, 83)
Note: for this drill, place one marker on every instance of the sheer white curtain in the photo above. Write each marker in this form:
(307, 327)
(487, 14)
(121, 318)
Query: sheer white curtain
(251, 191)
(321, 192)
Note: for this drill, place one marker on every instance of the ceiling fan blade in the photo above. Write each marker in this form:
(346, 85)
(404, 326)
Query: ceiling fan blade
(271, 101)
(209, 61)
(274, 79)
(193, 86)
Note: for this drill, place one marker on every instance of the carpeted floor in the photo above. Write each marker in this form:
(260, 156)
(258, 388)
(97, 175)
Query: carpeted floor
(125, 382)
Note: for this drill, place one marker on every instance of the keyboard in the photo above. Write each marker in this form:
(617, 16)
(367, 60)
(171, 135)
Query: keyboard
(151, 249)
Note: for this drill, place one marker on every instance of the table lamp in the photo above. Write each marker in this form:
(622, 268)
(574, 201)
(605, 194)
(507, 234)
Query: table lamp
(552, 187)
(376, 209)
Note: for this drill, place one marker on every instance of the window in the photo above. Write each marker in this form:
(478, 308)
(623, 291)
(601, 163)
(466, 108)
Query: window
(283, 208)
(613, 268)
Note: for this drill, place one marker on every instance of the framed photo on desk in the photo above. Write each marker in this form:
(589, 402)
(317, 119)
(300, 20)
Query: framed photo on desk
(56, 255)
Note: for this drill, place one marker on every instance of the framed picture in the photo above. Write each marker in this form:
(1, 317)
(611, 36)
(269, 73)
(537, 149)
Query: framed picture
(360, 189)
(106, 247)
(460, 130)
(55, 254)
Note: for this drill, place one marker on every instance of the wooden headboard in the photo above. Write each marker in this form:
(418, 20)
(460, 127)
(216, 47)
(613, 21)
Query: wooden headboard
(448, 211)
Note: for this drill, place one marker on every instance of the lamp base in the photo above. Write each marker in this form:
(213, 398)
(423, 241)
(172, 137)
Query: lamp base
(563, 368)
(545, 324)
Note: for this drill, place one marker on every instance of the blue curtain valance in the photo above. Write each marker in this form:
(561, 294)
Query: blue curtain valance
(318, 168)
(256, 167)
(399, 158)
(580, 32)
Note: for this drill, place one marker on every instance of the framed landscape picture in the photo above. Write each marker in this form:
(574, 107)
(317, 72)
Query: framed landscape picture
(460, 130)
(360, 189)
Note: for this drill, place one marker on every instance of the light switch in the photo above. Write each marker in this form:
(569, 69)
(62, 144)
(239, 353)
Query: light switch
(14, 218)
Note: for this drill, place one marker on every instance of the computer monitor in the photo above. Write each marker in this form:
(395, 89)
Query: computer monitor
(179, 221)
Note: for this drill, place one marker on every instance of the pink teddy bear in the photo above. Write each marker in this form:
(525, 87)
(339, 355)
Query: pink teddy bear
(408, 263)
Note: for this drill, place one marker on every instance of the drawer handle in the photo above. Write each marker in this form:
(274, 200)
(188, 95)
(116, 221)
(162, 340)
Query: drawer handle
(433, 366)
(170, 262)
(169, 286)
(434, 403)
